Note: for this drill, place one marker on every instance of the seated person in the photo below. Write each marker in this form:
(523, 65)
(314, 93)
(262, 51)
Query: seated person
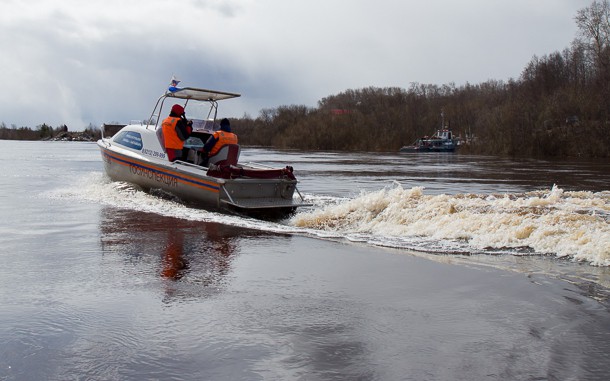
(220, 138)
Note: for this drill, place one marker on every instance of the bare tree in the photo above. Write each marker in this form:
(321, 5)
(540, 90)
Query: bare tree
(594, 29)
(594, 34)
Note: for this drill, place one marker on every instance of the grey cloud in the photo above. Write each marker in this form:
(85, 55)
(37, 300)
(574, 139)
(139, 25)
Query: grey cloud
(76, 66)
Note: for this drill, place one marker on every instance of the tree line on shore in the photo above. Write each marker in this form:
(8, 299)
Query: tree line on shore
(46, 132)
(559, 106)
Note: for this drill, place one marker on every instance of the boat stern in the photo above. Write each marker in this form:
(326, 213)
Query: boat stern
(248, 196)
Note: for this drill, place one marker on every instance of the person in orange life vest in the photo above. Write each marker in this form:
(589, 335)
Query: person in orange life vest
(218, 139)
(176, 129)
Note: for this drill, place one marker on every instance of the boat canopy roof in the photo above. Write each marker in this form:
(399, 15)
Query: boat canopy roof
(191, 93)
(199, 94)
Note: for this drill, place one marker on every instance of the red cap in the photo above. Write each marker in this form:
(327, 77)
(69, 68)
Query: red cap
(177, 109)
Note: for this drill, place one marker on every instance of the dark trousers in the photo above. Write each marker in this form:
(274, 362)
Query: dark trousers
(174, 154)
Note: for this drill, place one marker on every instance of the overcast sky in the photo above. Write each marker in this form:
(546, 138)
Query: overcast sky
(95, 61)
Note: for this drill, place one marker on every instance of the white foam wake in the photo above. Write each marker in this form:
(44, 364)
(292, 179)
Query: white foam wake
(566, 224)
(573, 225)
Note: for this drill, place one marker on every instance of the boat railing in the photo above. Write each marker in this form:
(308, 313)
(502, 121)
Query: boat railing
(253, 164)
(227, 193)
(188, 164)
(155, 116)
(299, 192)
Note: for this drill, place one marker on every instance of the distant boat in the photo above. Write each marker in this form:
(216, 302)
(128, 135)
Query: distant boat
(441, 141)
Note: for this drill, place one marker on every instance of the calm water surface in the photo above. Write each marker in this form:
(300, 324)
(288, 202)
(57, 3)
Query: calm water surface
(429, 267)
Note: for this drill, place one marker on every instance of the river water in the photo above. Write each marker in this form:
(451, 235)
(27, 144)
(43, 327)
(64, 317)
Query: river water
(407, 267)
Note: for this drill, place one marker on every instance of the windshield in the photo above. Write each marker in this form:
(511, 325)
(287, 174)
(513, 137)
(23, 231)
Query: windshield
(193, 142)
(197, 110)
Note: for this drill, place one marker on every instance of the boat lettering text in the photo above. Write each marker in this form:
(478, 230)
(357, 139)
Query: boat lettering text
(152, 153)
(160, 177)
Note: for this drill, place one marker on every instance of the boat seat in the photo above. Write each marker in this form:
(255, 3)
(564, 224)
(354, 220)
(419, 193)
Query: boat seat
(228, 155)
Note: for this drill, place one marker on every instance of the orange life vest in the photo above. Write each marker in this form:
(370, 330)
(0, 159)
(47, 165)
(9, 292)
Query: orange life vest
(169, 133)
(222, 138)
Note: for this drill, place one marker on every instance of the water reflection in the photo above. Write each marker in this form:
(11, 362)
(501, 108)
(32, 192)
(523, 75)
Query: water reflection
(212, 243)
(191, 258)
(173, 261)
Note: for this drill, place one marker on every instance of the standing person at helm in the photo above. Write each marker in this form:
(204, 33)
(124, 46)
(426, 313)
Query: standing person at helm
(176, 129)
(220, 138)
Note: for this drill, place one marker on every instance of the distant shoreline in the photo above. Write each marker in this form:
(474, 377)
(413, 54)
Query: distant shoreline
(77, 136)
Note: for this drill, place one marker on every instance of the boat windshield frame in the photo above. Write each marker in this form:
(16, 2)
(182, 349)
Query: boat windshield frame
(191, 93)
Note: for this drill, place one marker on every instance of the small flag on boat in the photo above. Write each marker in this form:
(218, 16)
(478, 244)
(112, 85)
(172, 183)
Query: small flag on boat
(173, 86)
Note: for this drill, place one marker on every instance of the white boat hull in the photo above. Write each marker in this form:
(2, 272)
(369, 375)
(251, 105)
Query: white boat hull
(191, 183)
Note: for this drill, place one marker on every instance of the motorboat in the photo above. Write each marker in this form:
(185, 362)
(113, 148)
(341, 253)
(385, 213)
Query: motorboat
(135, 154)
(441, 141)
